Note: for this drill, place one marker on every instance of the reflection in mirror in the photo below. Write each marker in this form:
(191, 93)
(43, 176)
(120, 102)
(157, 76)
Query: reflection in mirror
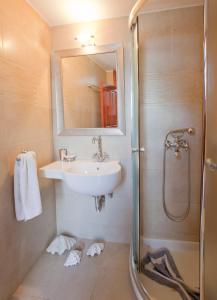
(89, 88)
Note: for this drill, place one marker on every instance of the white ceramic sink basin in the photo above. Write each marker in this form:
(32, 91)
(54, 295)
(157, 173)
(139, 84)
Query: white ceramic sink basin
(93, 178)
(86, 177)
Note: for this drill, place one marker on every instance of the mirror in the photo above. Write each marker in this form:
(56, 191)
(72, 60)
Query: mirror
(88, 91)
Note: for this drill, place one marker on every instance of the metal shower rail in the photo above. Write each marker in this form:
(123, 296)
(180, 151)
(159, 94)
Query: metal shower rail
(134, 12)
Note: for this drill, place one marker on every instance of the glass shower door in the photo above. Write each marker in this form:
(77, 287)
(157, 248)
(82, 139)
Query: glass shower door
(135, 148)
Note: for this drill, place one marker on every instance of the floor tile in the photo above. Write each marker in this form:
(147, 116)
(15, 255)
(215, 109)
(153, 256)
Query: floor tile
(96, 278)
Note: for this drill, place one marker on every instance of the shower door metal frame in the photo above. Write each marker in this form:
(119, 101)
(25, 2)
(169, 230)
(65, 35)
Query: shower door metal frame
(202, 192)
(135, 146)
(134, 260)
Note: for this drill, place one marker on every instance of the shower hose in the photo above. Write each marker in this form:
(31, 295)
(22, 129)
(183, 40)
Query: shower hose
(171, 216)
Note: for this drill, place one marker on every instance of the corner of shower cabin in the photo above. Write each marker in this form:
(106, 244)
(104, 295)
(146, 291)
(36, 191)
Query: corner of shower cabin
(140, 288)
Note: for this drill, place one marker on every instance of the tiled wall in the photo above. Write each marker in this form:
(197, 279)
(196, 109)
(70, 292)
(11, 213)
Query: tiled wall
(171, 90)
(25, 123)
(76, 213)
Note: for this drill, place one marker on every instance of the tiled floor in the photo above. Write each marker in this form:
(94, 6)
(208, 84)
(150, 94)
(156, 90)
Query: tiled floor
(105, 277)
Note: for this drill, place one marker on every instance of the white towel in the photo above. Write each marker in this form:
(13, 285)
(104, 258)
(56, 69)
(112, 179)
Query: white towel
(26, 187)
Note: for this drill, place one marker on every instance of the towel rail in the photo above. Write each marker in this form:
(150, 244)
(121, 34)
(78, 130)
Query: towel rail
(24, 151)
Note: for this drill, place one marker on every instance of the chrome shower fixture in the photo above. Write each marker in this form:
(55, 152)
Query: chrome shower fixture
(177, 145)
(178, 142)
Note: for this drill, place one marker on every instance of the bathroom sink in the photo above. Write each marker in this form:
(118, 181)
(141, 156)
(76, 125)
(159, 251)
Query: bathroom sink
(54, 170)
(93, 178)
(86, 177)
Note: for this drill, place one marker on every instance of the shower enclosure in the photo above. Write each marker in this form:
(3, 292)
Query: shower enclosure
(167, 141)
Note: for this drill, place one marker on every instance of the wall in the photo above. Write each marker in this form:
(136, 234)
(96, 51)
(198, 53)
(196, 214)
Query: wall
(81, 103)
(76, 213)
(25, 123)
(110, 77)
(171, 91)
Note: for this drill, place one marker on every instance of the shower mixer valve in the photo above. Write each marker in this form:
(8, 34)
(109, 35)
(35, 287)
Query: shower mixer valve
(178, 144)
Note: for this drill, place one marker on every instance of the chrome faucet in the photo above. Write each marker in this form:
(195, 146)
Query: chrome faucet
(63, 155)
(100, 156)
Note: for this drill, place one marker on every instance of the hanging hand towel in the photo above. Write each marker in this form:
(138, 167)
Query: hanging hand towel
(26, 187)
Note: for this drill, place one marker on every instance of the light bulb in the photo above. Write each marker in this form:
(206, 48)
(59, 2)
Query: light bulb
(86, 38)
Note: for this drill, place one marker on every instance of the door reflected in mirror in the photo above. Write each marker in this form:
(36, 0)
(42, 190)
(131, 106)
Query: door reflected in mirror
(89, 87)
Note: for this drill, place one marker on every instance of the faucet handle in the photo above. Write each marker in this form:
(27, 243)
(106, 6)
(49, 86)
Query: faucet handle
(70, 158)
(94, 139)
(105, 156)
(63, 153)
(95, 155)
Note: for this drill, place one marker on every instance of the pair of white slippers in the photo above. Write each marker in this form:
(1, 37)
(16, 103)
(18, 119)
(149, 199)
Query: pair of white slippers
(64, 243)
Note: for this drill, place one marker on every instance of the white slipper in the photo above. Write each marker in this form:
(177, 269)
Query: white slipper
(60, 244)
(73, 259)
(95, 249)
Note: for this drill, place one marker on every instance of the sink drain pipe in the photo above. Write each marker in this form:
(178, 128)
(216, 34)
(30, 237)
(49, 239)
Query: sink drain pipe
(99, 202)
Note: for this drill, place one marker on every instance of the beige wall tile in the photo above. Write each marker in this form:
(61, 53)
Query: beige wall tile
(155, 36)
(171, 95)
(25, 123)
(187, 39)
(1, 37)
(172, 87)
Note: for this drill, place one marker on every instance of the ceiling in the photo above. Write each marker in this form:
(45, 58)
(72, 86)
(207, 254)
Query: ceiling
(107, 61)
(60, 12)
